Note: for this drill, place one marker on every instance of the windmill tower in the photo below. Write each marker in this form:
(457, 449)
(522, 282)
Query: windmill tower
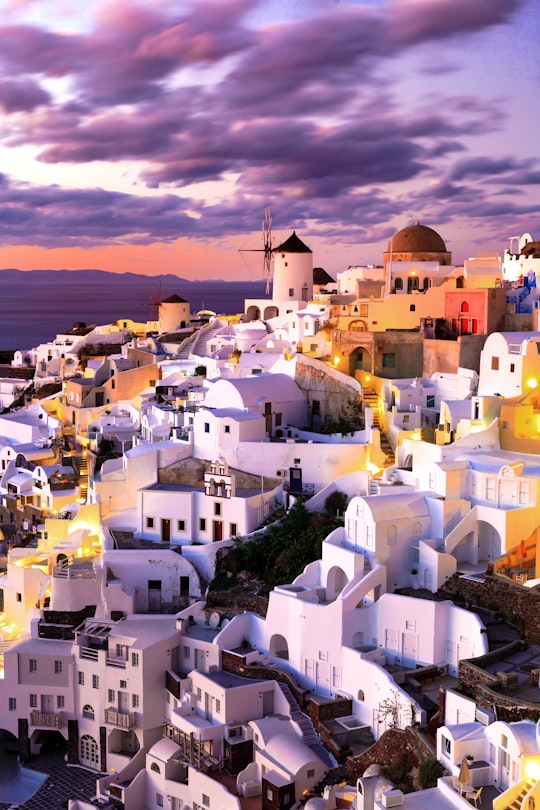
(293, 271)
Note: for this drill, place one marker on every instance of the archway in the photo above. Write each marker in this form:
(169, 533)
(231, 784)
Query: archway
(270, 312)
(335, 582)
(253, 313)
(279, 647)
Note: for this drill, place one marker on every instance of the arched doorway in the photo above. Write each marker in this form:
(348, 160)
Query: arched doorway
(279, 647)
(335, 582)
(89, 752)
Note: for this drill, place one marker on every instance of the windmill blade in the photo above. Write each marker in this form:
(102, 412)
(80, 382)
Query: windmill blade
(267, 242)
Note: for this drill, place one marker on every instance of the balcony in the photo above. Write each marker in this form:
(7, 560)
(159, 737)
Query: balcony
(46, 720)
(119, 719)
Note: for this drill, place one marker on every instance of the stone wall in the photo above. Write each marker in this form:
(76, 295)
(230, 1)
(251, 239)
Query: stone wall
(390, 745)
(446, 356)
(519, 604)
(329, 387)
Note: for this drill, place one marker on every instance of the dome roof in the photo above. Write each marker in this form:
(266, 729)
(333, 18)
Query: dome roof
(416, 239)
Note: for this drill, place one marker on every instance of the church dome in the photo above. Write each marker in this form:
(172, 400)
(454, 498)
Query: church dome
(416, 239)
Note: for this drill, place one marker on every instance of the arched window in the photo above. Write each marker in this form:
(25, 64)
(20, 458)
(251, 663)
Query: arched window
(464, 306)
(88, 711)
(155, 767)
(398, 283)
(89, 753)
(361, 695)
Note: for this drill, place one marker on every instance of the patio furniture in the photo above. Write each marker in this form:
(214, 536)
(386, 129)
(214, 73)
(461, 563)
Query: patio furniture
(473, 795)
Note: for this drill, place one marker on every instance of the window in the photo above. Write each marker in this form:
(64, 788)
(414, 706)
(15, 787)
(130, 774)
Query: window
(33, 701)
(291, 292)
(206, 800)
(81, 678)
(494, 363)
(19, 595)
(95, 681)
(12, 703)
(181, 525)
(202, 524)
(60, 701)
(464, 306)
(311, 773)
(269, 794)
(123, 684)
(32, 665)
(446, 745)
(218, 706)
(199, 693)
(412, 308)
(134, 659)
(207, 427)
(159, 799)
(398, 283)
(88, 712)
(217, 509)
(227, 428)
(57, 667)
(430, 401)
(111, 696)
(233, 530)
(149, 522)
(135, 701)
(277, 419)
(186, 651)
(389, 360)
(155, 767)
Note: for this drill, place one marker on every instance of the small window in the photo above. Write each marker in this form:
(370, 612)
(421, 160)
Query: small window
(494, 363)
(88, 712)
(149, 522)
(199, 693)
(95, 681)
(311, 773)
(123, 684)
(207, 427)
(135, 701)
(134, 659)
(81, 678)
(389, 360)
(181, 525)
(217, 509)
(446, 745)
(291, 292)
(12, 702)
(187, 652)
(60, 701)
(206, 800)
(269, 794)
(111, 696)
(155, 767)
(430, 401)
(159, 799)
(218, 706)
(412, 308)
(512, 367)
(277, 419)
(32, 665)
(227, 428)
(19, 595)
(57, 667)
(233, 531)
(202, 524)
(33, 701)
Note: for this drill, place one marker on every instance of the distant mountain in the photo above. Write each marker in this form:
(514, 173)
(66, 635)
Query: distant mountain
(36, 305)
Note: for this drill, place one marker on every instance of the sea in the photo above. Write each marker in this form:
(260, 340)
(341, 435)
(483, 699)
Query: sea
(35, 306)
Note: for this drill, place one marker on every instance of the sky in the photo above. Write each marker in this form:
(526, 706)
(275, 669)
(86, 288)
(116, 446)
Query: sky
(149, 136)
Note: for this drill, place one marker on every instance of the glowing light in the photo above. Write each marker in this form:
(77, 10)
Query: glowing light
(532, 769)
(416, 436)
(532, 382)
(336, 360)
(367, 378)
(372, 468)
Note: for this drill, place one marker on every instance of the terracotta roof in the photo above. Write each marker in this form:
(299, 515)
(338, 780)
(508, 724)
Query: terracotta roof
(292, 245)
(416, 239)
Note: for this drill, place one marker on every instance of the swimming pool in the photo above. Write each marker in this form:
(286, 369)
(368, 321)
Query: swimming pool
(17, 784)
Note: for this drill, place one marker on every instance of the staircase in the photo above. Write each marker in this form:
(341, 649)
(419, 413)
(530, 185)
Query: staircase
(309, 735)
(80, 465)
(370, 398)
(517, 803)
(204, 336)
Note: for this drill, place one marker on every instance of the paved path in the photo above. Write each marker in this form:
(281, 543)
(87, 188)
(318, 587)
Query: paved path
(65, 782)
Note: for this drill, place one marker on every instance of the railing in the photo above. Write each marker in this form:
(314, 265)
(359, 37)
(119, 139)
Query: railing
(88, 653)
(71, 572)
(304, 489)
(115, 662)
(47, 720)
(115, 718)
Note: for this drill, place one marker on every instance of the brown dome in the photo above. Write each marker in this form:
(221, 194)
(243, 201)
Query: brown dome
(416, 239)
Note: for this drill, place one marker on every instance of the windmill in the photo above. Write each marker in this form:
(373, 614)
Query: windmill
(267, 249)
